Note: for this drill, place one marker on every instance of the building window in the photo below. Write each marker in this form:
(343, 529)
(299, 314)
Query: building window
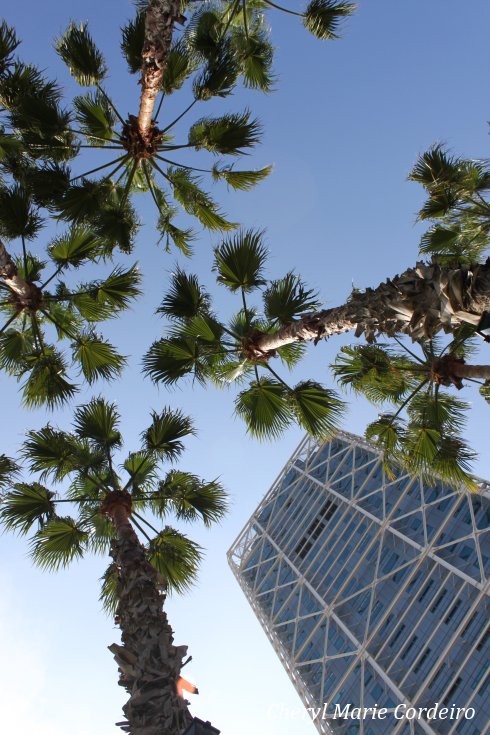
(453, 611)
(397, 635)
(315, 528)
(483, 640)
(426, 589)
(438, 601)
(409, 647)
(422, 660)
(453, 689)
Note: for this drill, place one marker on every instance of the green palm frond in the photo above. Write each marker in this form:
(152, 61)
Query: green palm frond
(437, 170)
(97, 358)
(485, 391)
(82, 57)
(176, 557)
(48, 183)
(10, 147)
(265, 407)
(44, 127)
(195, 201)
(255, 55)
(292, 354)
(57, 544)
(108, 591)
(51, 453)
(185, 298)
(8, 44)
(98, 422)
(220, 74)
(203, 32)
(75, 247)
(8, 470)
(95, 117)
(19, 217)
(26, 505)
(133, 39)
(180, 65)
(190, 498)
(15, 347)
(83, 202)
(142, 470)
(25, 80)
(100, 531)
(30, 268)
(46, 383)
(241, 180)
(317, 409)
(287, 298)
(169, 360)
(202, 328)
(324, 17)
(376, 372)
(228, 134)
(239, 261)
(104, 299)
(66, 320)
(167, 429)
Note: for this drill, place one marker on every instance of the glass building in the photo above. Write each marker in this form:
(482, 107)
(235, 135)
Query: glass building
(373, 590)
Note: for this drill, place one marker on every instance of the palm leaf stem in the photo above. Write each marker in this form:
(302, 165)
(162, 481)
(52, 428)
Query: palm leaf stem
(146, 455)
(245, 21)
(37, 333)
(285, 10)
(155, 165)
(256, 373)
(189, 107)
(278, 377)
(43, 285)
(24, 255)
(407, 400)
(230, 332)
(415, 357)
(104, 94)
(8, 323)
(159, 105)
(58, 325)
(99, 168)
(142, 530)
(235, 347)
(183, 165)
(151, 187)
(245, 306)
(164, 147)
(91, 135)
(232, 13)
(143, 520)
(129, 182)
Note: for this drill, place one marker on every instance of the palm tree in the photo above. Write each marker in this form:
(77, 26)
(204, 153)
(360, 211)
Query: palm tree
(420, 303)
(112, 516)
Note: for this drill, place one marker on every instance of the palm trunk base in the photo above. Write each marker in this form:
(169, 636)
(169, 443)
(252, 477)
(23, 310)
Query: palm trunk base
(149, 663)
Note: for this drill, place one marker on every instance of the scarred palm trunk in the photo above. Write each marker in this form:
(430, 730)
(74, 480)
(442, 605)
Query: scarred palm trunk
(24, 293)
(420, 302)
(461, 370)
(149, 663)
(159, 24)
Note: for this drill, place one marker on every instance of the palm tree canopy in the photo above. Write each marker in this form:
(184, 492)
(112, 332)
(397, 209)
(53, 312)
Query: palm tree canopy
(78, 473)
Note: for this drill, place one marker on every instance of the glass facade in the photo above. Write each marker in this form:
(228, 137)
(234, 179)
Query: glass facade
(374, 590)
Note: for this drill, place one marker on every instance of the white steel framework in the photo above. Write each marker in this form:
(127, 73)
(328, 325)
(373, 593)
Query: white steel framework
(373, 590)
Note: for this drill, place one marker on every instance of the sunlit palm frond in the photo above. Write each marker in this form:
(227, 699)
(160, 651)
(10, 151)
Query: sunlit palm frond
(98, 422)
(287, 298)
(316, 408)
(228, 134)
(190, 498)
(185, 297)
(164, 435)
(59, 542)
(324, 17)
(82, 57)
(240, 260)
(265, 407)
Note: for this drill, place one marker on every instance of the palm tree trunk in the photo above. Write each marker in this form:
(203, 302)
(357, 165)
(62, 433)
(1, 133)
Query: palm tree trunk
(25, 293)
(471, 371)
(149, 663)
(420, 302)
(159, 24)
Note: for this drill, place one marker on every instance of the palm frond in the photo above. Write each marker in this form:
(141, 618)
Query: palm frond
(82, 57)
(25, 505)
(189, 498)
(220, 74)
(317, 409)
(287, 298)
(255, 54)
(169, 360)
(228, 134)
(133, 39)
(265, 407)
(8, 44)
(98, 422)
(8, 470)
(323, 17)
(142, 470)
(195, 201)
(180, 65)
(185, 298)
(15, 347)
(75, 247)
(97, 358)
(167, 429)
(108, 590)
(241, 180)
(46, 383)
(19, 217)
(239, 261)
(176, 557)
(95, 117)
(104, 299)
(57, 544)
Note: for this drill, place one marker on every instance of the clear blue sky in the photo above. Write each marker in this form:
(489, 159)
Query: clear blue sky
(343, 130)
